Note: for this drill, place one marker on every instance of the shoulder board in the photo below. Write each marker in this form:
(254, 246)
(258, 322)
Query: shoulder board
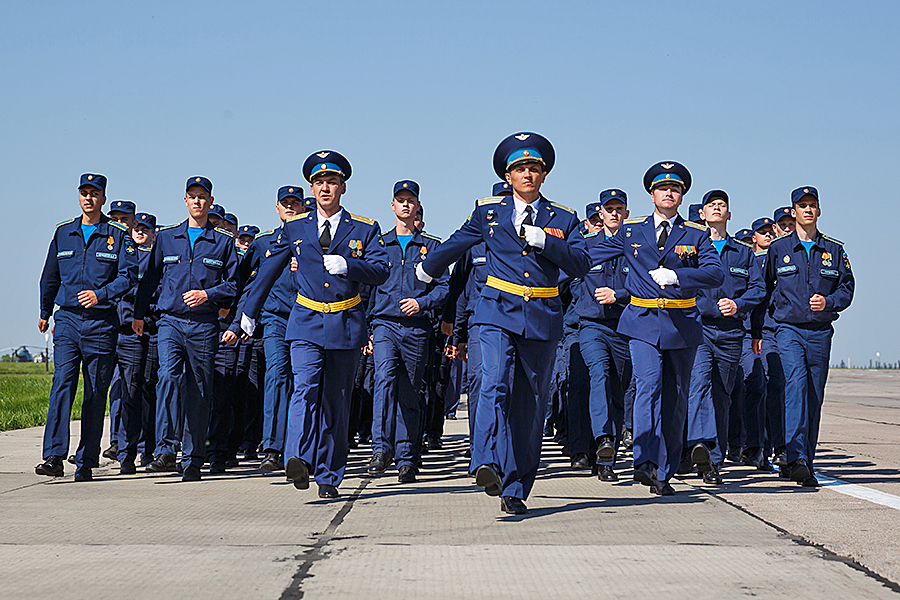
(366, 220)
(300, 216)
(142, 249)
(743, 243)
(66, 222)
(118, 225)
(269, 232)
(781, 237)
(831, 239)
(431, 237)
(241, 252)
(590, 235)
(225, 231)
(633, 220)
(695, 226)
(490, 200)
(562, 206)
(168, 226)
(761, 253)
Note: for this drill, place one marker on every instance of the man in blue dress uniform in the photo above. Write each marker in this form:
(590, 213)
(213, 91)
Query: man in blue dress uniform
(519, 313)
(196, 266)
(809, 280)
(90, 264)
(717, 364)
(668, 260)
(336, 252)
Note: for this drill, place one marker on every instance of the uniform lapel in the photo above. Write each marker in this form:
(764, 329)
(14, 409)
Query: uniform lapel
(310, 227)
(675, 235)
(545, 214)
(649, 229)
(505, 211)
(343, 231)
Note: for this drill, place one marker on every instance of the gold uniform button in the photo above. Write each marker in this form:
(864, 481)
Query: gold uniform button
(524, 252)
(326, 285)
(526, 274)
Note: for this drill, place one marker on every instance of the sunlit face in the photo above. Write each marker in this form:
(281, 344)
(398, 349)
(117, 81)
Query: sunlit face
(763, 236)
(198, 201)
(526, 178)
(125, 219)
(142, 235)
(405, 204)
(594, 223)
(91, 199)
(327, 190)
(243, 241)
(613, 213)
(288, 207)
(806, 211)
(715, 211)
(785, 225)
(667, 196)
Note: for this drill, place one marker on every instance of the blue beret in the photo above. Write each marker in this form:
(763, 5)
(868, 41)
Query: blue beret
(760, 223)
(523, 147)
(326, 161)
(145, 219)
(667, 172)
(613, 194)
(123, 206)
(713, 195)
(694, 213)
(203, 182)
(407, 184)
(743, 234)
(807, 190)
(501, 188)
(217, 210)
(93, 180)
(784, 211)
(292, 191)
(231, 218)
(248, 230)
(592, 209)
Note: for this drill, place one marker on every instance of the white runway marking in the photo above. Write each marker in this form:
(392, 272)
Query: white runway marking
(859, 491)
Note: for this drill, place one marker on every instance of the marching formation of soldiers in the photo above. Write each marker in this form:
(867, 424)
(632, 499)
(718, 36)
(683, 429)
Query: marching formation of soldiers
(659, 334)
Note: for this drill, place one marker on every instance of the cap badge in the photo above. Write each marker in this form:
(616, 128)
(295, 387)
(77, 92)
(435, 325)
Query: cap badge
(90, 177)
(522, 137)
(197, 180)
(405, 185)
(668, 176)
(612, 193)
(525, 153)
(290, 190)
(323, 154)
(805, 190)
(667, 165)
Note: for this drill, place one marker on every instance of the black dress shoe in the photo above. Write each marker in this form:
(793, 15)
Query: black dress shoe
(644, 474)
(512, 506)
(297, 471)
(799, 470)
(810, 481)
(191, 473)
(662, 488)
(52, 467)
(112, 451)
(179, 467)
(71, 459)
(272, 462)
(216, 467)
(467, 453)
(627, 439)
(378, 464)
(580, 462)
(126, 467)
(83, 474)
(548, 429)
(146, 459)
(733, 454)
(712, 476)
(780, 459)
(161, 464)
(250, 455)
(231, 463)
(606, 451)
(365, 438)
(327, 491)
(784, 472)
(434, 443)
(407, 474)
(751, 457)
(488, 477)
(700, 456)
(606, 473)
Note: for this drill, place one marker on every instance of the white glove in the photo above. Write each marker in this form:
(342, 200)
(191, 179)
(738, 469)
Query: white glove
(663, 276)
(535, 236)
(421, 275)
(247, 324)
(335, 264)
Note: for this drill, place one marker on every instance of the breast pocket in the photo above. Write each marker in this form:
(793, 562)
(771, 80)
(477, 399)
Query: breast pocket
(107, 265)
(210, 272)
(827, 281)
(740, 278)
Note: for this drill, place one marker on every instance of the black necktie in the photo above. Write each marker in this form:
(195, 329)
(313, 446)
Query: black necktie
(663, 236)
(325, 238)
(526, 221)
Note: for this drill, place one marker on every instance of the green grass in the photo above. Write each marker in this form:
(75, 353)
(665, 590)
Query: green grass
(25, 395)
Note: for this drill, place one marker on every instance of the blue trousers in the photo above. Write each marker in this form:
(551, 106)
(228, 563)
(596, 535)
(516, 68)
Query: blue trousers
(319, 412)
(662, 382)
(132, 353)
(187, 355)
(473, 359)
(508, 432)
(774, 393)
(716, 367)
(224, 405)
(116, 394)
(608, 360)
(247, 431)
(87, 343)
(147, 443)
(574, 386)
(804, 356)
(278, 384)
(400, 357)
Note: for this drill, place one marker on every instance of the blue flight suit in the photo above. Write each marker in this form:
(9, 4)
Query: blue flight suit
(326, 336)
(717, 363)
(518, 330)
(400, 345)
(188, 337)
(804, 336)
(84, 337)
(604, 350)
(664, 340)
(225, 402)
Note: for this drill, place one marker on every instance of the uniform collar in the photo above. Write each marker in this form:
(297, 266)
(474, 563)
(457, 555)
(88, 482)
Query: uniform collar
(391, 236)
(797, 244)
(102, 227)
(181, 230)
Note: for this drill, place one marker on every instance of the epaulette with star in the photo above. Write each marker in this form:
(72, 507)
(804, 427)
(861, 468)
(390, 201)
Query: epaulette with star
(562, 207)
(362, 219)
(634, 220)
(58, 225)
(489, 200)
(695, 226)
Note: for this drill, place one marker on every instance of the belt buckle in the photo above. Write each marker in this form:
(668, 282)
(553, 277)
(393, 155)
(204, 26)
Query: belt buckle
(326, 307)
(527, 292)
(660, 303)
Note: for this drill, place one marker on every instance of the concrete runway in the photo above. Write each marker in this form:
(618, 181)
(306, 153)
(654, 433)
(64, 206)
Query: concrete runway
(247, 534)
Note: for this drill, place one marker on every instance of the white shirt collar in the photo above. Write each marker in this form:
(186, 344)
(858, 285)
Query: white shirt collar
(333, 219)
(519, 213)
(657, 221)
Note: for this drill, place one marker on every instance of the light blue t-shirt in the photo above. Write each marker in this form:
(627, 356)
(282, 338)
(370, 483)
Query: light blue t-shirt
(719, 244)
(807, 245)
(87, 230)
(404, 241)
(193, 234)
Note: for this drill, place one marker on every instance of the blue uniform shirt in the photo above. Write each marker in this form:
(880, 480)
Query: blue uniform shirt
(210, 266)
(610, 274)
(792, 279)
(283, 294)
(106, 265)
(126, 303)
(743, 284)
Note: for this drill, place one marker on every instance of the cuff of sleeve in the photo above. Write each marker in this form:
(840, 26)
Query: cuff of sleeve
(102, 295)
(829, 303)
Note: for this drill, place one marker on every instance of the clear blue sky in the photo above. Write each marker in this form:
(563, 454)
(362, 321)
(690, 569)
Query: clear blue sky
(756, 98)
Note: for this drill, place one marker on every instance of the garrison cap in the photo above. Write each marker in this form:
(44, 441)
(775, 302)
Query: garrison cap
(667, 172)
(93, 180)
(145, 219)
(248, 230)
(694, 213)
(203, 182)
(122, 206)
(806, 190)
(407, 184)
(743, 234)
(217, 210)
(501, 188)
(326, 161)
(523, 147)
(231, 218)
(713, 195)
(290, 191)
(760, 223)
(612, 194)
(784, 211)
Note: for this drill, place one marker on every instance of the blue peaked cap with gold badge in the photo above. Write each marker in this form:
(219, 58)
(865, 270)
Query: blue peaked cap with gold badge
(407, 185)
(501, 188)
(523, 147)
(290, 191)
(217, 210)
(93, 180)
(122, 206)
(145, 219)
(326, 161)
(714, 195)
(743, 234)
(231, 218)
(806, 190)
(667, 172)
(760, 223)
(203, 182)
(694, 213)
(309, 202)
(612, 194)
(248, 230)
(784, 211)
